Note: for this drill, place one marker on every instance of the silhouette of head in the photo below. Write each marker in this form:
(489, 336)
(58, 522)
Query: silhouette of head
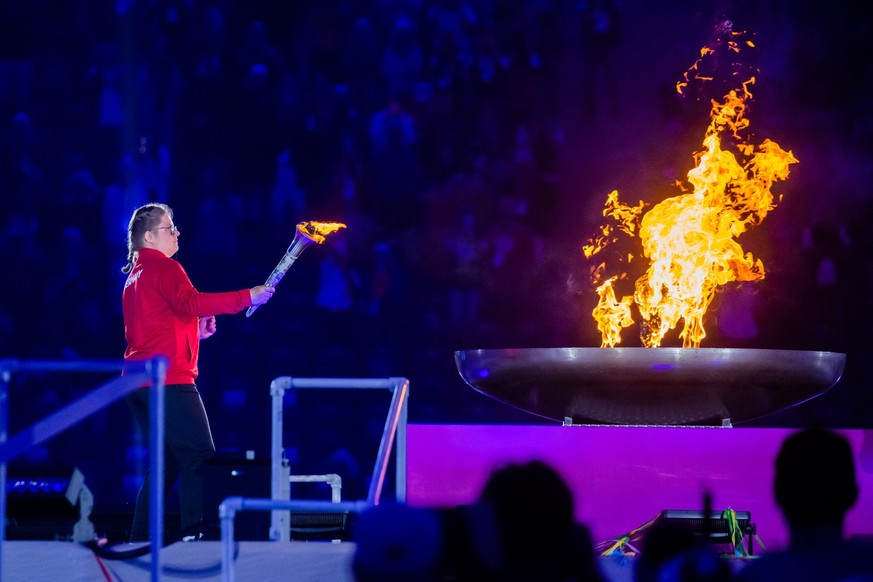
(702, 564)
(396, 542)
(815, 479)
(664, 541)
(533, 509)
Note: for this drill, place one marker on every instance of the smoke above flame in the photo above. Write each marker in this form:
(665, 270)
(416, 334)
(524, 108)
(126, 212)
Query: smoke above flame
(690, 239)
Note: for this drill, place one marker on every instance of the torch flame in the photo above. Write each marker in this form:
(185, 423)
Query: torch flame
(317, 231)
(690, 239)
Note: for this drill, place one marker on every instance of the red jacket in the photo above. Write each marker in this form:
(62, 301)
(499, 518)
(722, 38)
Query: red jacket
(161, 309)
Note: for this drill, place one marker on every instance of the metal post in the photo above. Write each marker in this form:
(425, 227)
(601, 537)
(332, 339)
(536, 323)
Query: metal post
(226, 513)
(137, 374)
(394, 430)
(388, 434)
(232, 505)
(157, 369)
(280, 487)
(5, 379)
(400, 456)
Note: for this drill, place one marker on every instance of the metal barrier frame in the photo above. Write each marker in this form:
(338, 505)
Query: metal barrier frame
(136, 374)
(332, 479)
(232, 505)
(395, 429)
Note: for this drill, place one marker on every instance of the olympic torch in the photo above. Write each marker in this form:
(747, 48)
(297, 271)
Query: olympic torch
(307, 233)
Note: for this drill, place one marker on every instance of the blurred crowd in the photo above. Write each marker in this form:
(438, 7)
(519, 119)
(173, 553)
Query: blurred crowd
(432, 128)
(429, 128)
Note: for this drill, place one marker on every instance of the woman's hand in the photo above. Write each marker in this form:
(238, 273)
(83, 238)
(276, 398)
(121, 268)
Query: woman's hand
(261, 294)
(207, 326)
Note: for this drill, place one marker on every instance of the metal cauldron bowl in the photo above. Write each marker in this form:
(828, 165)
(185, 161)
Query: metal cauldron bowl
(650, 386)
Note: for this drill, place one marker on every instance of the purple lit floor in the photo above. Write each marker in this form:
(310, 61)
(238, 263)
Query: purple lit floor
(621, 477)
(624, 476)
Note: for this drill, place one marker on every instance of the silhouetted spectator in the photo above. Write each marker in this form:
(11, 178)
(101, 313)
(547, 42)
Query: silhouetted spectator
(339, 292)
(287, 199)
(815, 487)
(218, 250)
(72, 307)
(450, 23)
(537, 531)
(396, 169)
(23, 160)
(17, 41)
(468, 251)
(601, 31)
(384, 293)
(362, 66)
(397, 543)
(700, 564)
(675, 552)
(828, 263)
(663, 542)
(402, 62)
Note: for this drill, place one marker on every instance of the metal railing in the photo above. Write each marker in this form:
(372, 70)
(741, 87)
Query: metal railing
(232, 505)
(280, 505)
(332, 479)
(135, 375)
(394, 431)
(152, 372)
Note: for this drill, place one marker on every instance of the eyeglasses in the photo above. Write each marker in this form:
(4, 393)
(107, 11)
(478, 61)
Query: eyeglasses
(172, 228)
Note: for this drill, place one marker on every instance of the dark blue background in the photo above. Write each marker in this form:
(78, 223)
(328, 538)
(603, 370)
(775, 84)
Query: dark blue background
(469, 147)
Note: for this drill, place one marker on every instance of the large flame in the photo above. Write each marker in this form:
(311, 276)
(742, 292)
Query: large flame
(691, 239)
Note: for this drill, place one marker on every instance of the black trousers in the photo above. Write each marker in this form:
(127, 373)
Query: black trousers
(187, 443)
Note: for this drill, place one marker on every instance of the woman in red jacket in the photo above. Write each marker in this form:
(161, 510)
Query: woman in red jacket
(165, 315)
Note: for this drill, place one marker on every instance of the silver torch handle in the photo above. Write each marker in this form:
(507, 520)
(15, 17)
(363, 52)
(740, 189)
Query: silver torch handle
(300, 242)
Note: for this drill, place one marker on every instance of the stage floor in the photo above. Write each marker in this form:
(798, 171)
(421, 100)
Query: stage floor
(26, 561)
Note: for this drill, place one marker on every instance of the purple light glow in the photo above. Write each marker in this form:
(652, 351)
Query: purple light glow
(663, 366)
(623, 476)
